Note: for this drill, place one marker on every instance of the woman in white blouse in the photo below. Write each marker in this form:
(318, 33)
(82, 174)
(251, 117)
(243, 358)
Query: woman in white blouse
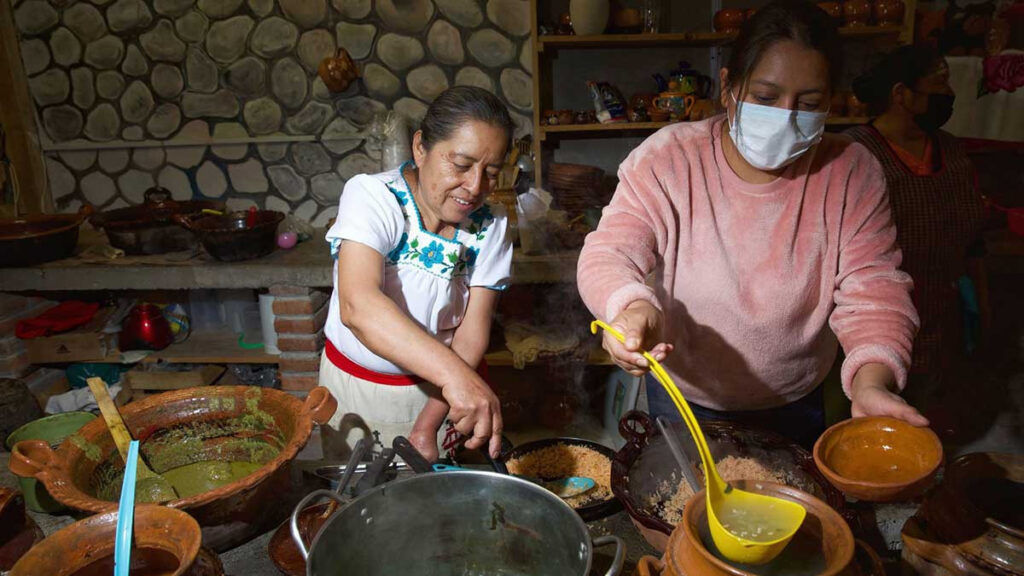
(420, 260)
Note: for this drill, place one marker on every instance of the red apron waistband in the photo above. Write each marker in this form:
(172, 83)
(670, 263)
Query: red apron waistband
(343, 363)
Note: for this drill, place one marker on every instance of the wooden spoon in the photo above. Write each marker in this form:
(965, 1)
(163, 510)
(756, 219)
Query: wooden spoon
(150, 486)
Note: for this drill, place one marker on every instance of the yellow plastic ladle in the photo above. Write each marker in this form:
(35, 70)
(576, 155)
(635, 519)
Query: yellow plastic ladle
(746, 527)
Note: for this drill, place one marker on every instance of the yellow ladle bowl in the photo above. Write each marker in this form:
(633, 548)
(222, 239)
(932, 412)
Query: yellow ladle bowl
(747, 528)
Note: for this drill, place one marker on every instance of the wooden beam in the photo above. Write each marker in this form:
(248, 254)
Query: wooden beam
(17, 115)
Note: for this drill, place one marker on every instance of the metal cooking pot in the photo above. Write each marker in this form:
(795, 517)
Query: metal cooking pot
(455, 523)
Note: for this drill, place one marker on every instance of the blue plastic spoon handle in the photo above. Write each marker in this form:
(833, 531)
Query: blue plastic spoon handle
(447, 468)
(126, 513)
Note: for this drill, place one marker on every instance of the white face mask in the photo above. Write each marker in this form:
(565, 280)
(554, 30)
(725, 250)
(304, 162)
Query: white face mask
(770, 138)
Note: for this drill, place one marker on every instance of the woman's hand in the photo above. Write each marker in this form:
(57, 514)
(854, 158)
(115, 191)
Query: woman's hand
(425, 443)
(872, 396)
(475, 411)
(641, 324)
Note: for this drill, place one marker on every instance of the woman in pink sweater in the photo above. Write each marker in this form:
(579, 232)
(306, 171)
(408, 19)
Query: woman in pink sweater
(743, 249)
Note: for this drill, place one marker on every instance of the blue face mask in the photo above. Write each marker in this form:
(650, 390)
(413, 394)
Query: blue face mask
(770, 138)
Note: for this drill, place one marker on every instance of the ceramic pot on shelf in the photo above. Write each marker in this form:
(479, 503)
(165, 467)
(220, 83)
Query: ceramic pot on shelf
(728, 20)
(589, 17)
(854, 107)
(833, 9)
(889, 12)
(856, 12)
(677, 104)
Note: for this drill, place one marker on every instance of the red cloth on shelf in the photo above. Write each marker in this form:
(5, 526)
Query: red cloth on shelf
(61, 318)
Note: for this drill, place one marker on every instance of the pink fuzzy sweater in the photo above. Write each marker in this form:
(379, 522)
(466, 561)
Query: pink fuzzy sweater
(756, 281)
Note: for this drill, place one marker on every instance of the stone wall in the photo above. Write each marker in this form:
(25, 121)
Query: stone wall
(125, 89)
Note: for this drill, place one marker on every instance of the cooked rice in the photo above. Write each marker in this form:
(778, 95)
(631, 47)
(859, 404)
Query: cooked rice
(563, 460)
(730, 468)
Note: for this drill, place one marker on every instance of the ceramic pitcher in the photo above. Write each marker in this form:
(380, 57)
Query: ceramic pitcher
(588, 16)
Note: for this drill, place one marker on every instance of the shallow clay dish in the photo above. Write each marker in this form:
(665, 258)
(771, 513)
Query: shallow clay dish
(164, 539)
(230, 420)
(878, 459)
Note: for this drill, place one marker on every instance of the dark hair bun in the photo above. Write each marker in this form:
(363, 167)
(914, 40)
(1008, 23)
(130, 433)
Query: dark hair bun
(905, 65)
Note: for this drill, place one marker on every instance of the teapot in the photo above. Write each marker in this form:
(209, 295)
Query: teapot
(691, 81)
(338, 71)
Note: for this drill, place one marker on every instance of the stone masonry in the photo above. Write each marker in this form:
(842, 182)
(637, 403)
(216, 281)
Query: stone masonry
(185, 70)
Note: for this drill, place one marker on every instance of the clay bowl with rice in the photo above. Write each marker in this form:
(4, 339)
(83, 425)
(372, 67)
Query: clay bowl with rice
(554, 458)
(649, 484)
(227, 450)
(879, 459)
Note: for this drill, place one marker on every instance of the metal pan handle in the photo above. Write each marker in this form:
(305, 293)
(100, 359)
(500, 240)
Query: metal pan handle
(294, 523)
(620, 552)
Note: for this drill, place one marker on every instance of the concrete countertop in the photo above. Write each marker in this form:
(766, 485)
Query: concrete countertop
(308, 264)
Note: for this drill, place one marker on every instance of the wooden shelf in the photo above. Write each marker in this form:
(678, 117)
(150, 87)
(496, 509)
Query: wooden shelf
(639, 40)
(615, 127)
(870, 31)
(212, 347)
(652, 126)
(598, 357)
(684, 38)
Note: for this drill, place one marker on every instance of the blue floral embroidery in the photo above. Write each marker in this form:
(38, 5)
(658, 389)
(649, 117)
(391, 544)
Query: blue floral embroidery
(402, 247)
(470, 257)
(441, 257)
(433, 254)
(481, 214)
(467, 261)
(480, 220)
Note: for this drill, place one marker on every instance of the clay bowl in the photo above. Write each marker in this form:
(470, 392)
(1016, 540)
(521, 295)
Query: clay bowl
(878, 459)
(166, 543)
(18, 532)
(232, 423)
(823, 546)
(856, 12)
(282, 549)
(39, 238)
(975, 517)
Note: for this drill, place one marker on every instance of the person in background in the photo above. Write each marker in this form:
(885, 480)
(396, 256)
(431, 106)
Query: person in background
(936, 205)
(420, 260)
(768, 244)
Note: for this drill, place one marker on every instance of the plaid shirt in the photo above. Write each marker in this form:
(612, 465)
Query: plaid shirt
(938, 220)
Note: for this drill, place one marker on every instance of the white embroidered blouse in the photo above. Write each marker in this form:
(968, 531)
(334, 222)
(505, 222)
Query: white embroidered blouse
(426, 275)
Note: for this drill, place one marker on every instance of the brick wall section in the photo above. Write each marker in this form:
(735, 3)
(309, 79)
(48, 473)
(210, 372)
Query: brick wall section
(301, 342)
(300, 314)
(294, 305)
(13, 360)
